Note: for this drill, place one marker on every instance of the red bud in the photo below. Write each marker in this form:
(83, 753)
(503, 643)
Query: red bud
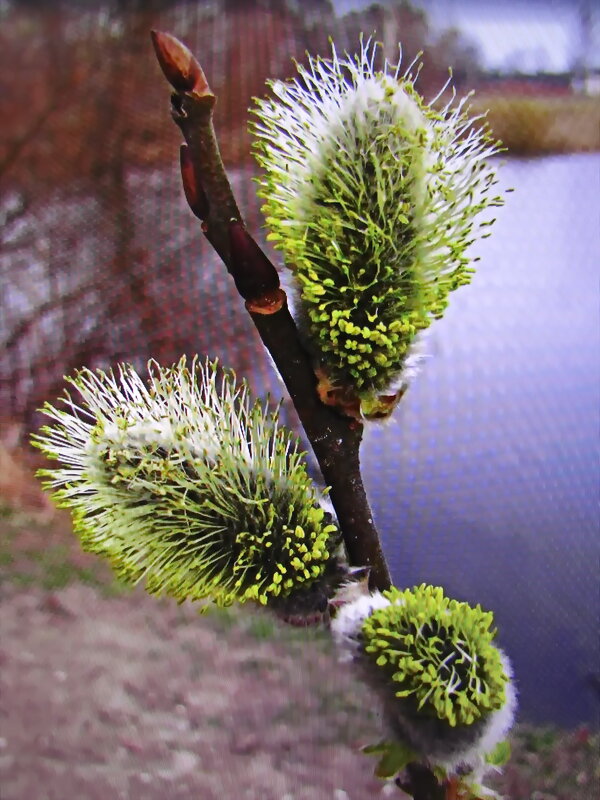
(194, 193)
(179, 65)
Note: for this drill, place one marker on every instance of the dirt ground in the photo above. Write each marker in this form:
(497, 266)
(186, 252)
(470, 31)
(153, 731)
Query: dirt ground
(111, 694)
(136, 698)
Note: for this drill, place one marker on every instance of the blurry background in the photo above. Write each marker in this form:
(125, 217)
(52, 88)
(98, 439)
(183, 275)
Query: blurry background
(487, 478)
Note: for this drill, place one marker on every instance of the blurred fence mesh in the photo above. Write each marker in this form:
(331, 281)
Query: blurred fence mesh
(100, 258)
(493, 464)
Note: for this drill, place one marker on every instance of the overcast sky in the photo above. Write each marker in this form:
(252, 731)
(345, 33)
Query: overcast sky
(524, 34)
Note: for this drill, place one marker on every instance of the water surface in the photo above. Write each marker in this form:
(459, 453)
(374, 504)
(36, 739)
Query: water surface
(487, 481)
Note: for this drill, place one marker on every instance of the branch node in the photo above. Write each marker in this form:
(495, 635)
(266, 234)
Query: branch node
(254, 275)
(268, 303)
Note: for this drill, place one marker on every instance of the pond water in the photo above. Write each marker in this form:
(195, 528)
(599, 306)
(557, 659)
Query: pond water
(488, 479)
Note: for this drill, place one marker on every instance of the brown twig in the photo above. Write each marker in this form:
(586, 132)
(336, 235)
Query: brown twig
(335, 439)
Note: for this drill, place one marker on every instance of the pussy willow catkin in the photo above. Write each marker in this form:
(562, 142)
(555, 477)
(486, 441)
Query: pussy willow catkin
(185, 483)
(373, 195)
(446, 686)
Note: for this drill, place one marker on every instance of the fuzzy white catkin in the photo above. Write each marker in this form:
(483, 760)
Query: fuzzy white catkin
(374, 197)
(182, 482)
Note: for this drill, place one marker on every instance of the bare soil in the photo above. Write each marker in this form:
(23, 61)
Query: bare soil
(135, 698)
(111, 694)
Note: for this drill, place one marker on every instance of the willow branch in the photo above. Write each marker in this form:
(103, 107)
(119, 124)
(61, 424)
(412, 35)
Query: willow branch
(334, 439)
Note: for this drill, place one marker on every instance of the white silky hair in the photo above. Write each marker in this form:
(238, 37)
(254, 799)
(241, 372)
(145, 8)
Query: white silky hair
(346, 625)
(163, 432)
(494, 730)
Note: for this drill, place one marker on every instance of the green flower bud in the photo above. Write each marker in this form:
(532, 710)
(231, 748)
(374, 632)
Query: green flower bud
(438, 652)
(446, 687)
